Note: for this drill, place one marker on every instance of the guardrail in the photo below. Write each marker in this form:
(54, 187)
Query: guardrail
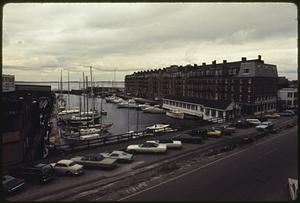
(75, 144)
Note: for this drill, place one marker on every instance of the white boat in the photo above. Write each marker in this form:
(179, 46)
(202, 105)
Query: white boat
(89, 131)
(66, 112)
(89, 137)
(110, 99)
(158, 127)
(123, 104)
(132, 103)
(102, 126)
(175, 114)
(143, 106)
(118, 100)
(293, 188)
(153, 109)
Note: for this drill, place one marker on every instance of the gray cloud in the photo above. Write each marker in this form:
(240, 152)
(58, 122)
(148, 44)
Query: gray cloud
(132, 36)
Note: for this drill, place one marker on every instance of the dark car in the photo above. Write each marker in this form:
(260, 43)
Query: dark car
(224, 129)
(39, 172)
(198, 133)
(262, 118)
(11, 184)
(241, 124)
(247, 140)
(286, 113)
(186, 138)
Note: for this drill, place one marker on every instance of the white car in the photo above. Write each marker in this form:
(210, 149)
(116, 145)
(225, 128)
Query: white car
(148, 147)
(67, 167)
(120, 156)
(264, 125)
(293, 188)
(174, 144)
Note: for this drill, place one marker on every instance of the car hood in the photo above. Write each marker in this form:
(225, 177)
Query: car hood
(77, 167)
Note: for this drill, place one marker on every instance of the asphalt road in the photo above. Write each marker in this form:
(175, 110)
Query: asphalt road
(259, 172)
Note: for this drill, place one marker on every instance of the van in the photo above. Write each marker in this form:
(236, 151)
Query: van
(253, 121)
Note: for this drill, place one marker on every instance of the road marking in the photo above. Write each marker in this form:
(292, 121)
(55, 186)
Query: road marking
(204, 166)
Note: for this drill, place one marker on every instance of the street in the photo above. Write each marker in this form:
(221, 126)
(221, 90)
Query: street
(259, 172)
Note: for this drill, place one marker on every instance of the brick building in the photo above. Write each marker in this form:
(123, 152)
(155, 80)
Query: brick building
(211, 91)
(26, 111)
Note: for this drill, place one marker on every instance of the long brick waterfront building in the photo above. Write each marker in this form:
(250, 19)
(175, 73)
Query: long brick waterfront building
(211, 91)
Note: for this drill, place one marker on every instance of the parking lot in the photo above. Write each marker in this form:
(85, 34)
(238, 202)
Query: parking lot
(62, 183)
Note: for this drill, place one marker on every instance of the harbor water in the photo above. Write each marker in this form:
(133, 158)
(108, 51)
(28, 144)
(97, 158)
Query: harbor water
(125, 119)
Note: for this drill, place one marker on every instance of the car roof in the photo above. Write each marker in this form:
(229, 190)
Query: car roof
(65, 161)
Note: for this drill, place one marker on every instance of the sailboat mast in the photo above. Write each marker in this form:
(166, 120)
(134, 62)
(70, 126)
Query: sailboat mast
(80, 99)
(61, 82)
(83, 88)
(92, 94)
(87, 98)
(69, 89)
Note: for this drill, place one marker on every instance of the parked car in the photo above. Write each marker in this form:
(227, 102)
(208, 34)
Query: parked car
(286, 114)
(95, 161)
(214, 133)
(225, 130)
(38, 172)
(198, 132)
(290, 111)
(120, 156)
(265, 125)
(11, 184)
(241, 124)
(148, 147)
(186, 138)
(174, 144)
(247, 140)
(253, 121)
(273, 115)
(67, 167)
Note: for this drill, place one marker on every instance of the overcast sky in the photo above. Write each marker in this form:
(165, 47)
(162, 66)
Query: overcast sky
(40, 39)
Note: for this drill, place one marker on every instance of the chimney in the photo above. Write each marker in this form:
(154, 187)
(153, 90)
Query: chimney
(259, 57)
(203, 64)
(244, 59)
(224, 61)
(214, 62)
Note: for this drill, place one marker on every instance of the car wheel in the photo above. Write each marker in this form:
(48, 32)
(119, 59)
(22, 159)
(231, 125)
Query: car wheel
(68, 173)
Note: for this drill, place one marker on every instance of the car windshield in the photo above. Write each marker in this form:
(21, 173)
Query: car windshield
(72, 164)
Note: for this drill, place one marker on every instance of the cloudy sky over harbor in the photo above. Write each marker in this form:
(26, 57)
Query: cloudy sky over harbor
(40, 39)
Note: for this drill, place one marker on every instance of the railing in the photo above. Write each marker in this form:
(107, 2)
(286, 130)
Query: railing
(75, 144)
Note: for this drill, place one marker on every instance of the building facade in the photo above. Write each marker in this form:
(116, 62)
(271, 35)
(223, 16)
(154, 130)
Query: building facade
(211, 91)
(25, 124)
(288, 98)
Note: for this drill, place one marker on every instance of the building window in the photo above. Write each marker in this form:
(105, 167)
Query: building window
(290, 94)
(213, 113)
(246, 70)
(241, 81)
(231, 88)
(249, 98)
(207, 112)
(241, 88)
(188, 106)
(249, 81)
(184, 105)
(249, 89)
(240, 98)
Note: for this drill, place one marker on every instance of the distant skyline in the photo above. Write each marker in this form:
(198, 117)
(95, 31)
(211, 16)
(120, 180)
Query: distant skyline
(40, 39)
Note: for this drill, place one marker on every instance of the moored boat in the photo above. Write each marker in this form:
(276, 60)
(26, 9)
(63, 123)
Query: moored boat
(175, 114)
(153, 109)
